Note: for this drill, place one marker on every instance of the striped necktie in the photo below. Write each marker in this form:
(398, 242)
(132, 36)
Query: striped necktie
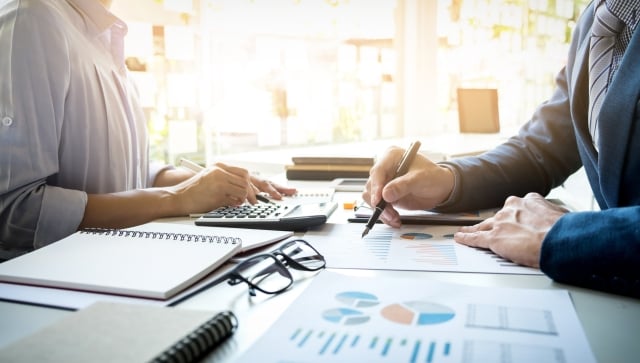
(604, 30)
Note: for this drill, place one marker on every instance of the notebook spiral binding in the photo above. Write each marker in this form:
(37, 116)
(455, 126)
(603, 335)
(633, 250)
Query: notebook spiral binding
(162, 235)
(204, 338)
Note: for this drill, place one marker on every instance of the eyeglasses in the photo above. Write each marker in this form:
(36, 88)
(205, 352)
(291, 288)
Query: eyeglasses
(269, 272)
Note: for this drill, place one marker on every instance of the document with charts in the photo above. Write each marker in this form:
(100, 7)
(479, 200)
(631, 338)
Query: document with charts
(412, 247)
(364, 212)
(344, 318)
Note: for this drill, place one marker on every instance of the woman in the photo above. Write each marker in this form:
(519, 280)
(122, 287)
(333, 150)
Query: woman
(73, 141)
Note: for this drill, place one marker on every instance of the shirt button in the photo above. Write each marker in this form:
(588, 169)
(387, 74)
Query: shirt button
(7, 121)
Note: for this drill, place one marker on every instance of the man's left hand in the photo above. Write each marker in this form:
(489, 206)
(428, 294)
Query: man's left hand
(516, 231)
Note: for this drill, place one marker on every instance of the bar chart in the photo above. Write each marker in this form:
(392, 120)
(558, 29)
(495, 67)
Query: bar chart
(363, 347)
(348, 319)
(412, 247)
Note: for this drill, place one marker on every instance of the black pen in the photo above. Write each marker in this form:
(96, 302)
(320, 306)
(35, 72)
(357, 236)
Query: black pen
(403, 167)
(263, 199)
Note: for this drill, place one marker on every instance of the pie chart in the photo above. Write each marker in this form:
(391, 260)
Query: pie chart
(357, 299)
(418, 313)
(344, 316)
(415, 235)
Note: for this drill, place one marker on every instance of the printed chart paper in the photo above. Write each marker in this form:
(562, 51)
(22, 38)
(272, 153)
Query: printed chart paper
(342, 318)
(412, 247)
(408, 216)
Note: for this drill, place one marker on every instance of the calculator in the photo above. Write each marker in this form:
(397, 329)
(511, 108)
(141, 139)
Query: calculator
(276, 216)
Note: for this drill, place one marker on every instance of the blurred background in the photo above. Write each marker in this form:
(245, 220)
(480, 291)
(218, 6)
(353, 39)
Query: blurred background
(220, 77)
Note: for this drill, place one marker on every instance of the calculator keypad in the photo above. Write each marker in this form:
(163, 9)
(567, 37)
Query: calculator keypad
(248, 211)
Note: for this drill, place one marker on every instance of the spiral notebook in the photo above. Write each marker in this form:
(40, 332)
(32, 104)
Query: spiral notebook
(154, 260)
(116, 332)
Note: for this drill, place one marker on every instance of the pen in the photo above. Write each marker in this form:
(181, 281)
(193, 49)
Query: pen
(190, 165)
(403, 167)
(263, 199)
(197, 168)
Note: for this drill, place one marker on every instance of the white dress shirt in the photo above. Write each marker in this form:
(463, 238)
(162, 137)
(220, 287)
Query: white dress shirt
(70, 120)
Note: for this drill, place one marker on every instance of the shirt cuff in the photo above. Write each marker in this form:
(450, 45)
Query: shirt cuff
(455, 193)
(61, 213)
(156, 168)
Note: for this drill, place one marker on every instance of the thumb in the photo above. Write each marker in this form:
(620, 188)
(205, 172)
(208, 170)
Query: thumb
(394, 190)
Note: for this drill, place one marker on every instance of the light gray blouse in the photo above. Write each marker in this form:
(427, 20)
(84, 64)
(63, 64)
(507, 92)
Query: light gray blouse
(70, 120)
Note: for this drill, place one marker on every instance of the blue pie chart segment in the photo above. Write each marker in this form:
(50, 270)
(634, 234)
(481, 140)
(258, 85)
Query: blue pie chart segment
(418, 313)
(357, 299)
(344, 316)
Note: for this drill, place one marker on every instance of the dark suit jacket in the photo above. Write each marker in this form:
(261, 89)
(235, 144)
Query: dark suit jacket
(599, 249)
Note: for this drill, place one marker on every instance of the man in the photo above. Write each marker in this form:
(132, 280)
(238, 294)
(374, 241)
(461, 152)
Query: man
(591, 120)
(73, 139)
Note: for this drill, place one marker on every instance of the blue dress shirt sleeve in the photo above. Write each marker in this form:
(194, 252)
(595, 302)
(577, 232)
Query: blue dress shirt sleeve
(598, 250)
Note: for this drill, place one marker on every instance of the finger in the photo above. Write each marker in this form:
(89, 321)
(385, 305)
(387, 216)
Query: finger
(234, 200)
(265, 186)
(238, 191)
(473, 239)
(381, 173)
(397, 189)
(276, 192)
(376, 196)
(391, 217)
(366, 195)
(284, 190)
(252, 195)
(485, 225)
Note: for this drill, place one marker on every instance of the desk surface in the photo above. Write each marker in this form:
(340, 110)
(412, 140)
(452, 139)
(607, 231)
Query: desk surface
(611, 322)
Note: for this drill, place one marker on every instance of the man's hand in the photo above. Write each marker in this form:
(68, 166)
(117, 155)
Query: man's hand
(516, 231)
(424, 186)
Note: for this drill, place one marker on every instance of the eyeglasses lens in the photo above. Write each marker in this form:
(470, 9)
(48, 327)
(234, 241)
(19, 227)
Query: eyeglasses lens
(301, 253)
(265, 273)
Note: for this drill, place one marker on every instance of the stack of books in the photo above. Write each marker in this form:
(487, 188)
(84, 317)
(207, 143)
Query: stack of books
(328, 168)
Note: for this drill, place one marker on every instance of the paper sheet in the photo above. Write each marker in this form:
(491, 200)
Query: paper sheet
(408, 216)
(412, 247)
(342, 318)
(73, 299)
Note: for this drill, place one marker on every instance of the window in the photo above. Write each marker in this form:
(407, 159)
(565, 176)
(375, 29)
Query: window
(220, 77)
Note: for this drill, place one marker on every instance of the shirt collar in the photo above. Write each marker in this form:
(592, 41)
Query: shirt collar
(625, 11)
(98, 18)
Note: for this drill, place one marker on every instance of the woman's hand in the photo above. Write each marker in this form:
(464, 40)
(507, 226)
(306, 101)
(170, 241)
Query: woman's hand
(213, 187)
(275, 191)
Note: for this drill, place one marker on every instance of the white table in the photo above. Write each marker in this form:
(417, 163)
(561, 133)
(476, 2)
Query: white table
(611, 322)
